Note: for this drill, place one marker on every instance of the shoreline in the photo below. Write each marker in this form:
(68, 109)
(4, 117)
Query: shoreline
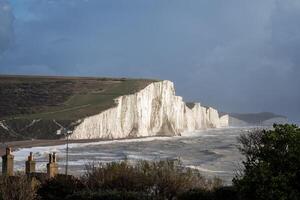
(16, 145)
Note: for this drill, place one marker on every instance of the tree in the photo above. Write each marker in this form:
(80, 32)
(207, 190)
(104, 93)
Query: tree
(272, 164)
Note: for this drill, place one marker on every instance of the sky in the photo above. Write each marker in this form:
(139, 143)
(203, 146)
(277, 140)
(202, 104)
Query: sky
(235, 55)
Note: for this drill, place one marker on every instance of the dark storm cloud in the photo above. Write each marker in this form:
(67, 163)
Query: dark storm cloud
(6, 25)
(240, 56)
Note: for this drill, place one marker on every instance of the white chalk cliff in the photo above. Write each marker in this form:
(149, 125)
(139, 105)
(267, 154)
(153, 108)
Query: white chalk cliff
(155, 110)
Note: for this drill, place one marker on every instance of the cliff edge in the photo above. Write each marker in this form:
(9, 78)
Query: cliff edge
(155, 110)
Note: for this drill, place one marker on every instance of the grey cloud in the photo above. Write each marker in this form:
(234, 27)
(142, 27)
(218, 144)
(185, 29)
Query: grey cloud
(240, 56)
(6, 25)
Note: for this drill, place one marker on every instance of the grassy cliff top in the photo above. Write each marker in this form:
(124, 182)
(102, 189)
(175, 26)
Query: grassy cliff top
(61, 98)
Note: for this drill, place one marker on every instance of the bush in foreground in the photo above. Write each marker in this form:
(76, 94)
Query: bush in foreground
(220, 193)
(18, 187)
(272, 165)
(122, 180)
(59, 187)
(163, 179)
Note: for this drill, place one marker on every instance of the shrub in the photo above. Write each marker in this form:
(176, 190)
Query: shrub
(225, 193)
(220, 193)
(115, 176)
(170, 178)
(18, 187)
(272, 164)
(114, 181)
(59, 187)
(164, 179)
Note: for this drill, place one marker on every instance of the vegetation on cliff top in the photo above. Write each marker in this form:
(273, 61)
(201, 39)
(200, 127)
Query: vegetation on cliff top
(61, 98)
(35, 107)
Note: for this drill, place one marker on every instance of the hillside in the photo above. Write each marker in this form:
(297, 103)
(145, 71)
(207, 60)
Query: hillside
(39, 105)
(263, 118)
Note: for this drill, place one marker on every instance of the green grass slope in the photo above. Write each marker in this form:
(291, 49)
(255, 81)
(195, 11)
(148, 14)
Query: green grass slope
(60, 99)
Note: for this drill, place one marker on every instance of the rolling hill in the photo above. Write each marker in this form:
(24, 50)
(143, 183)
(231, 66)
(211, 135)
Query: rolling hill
(34, 106)
(263, 118)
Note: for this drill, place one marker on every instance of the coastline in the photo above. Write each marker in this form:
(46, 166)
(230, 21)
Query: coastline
(212, 151)
(16, 145)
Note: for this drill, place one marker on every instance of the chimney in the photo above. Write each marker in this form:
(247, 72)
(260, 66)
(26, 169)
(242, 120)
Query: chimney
(52, 167)
(8, 163)
(54, 157)
(30, 164)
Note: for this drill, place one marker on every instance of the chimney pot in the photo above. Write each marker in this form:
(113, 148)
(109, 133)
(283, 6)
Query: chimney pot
(30, 157)
(8, 151)
(54, 157)
(50, 158)
(52, 167)
(8, 163)
(30, 165)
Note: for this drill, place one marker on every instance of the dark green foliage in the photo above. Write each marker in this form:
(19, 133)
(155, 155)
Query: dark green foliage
(219, 193)
(225, 193)
(26, 129)
(60, 187)
(27, 97)
(272, 164)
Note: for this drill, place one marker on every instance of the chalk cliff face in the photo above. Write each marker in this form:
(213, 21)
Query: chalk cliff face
(155, 110)
(224, 121)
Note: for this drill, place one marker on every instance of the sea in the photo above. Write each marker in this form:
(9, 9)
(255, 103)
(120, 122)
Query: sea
(213, 152)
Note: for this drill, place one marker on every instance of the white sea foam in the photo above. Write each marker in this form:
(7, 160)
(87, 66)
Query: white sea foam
(211, 155)
(24, 152)
(43, 151)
